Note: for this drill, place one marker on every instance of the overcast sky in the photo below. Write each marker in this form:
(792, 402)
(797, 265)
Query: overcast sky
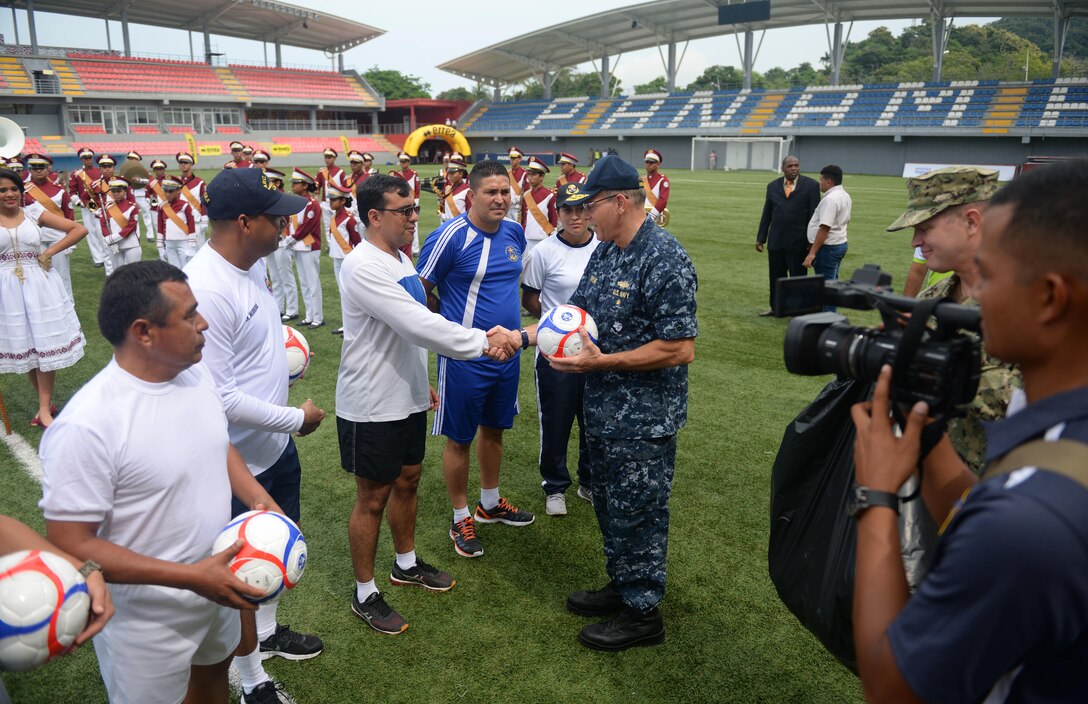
(424, 33)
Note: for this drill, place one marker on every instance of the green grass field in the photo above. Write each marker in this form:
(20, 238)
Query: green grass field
(503, 634)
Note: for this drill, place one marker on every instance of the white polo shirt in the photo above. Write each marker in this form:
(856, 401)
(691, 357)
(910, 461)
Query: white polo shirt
(833, 211)
(556, 268)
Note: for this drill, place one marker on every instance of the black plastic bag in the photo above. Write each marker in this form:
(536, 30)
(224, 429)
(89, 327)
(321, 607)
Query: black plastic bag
(813, 542)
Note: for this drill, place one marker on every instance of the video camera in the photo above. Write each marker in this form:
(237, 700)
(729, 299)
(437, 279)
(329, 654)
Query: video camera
(936, 364)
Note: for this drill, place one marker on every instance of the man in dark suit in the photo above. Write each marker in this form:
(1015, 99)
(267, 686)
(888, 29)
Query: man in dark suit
(791, 201)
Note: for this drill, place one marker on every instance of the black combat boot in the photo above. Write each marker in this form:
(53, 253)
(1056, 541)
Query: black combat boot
(628, 629)
(601, 602)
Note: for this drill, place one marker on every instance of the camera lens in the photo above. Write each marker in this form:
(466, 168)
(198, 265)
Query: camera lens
(802, 341)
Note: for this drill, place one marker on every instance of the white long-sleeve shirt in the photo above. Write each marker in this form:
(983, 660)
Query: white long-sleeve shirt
(387, 332)
(243, 350)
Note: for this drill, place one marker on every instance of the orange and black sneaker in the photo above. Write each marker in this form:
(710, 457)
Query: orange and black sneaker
(465, 542)
(505, 512)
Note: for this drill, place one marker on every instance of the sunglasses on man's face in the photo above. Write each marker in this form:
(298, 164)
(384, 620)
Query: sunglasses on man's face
(407, 211)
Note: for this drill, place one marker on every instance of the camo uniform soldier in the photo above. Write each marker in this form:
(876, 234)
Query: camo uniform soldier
(930, 196)
(639, 286)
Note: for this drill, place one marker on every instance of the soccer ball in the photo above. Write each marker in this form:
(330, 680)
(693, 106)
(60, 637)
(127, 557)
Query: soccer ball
(44, 605)
(557, 334)
(274, 556)
(298, 354)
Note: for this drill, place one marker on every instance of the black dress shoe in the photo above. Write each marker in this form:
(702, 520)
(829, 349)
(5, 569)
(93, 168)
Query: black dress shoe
(601, 602)
(629, 629)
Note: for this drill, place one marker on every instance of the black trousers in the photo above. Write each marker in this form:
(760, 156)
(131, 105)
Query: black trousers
(559, 403)
(783, 262)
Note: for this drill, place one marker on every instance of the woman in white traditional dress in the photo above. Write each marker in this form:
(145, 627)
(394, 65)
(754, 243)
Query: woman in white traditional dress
(39, 330)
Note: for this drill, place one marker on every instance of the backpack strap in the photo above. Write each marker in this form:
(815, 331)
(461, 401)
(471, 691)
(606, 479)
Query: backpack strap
(1068, 458)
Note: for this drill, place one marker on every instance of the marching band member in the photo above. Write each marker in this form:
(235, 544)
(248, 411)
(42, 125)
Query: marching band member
(456, 196)
(517, 184)
(303, 246)
(538, 215)
(260, 159)
(247, 154)
(278, 263)
(43, 193)
(343, 232)
(120, 218)
(15, 164)
(238, 159)
(412, 178)
(138, 193)
(192, 190)
(331, 173)
(656, 186)
(567, 164)
(80, 184)
(176, 226)
(155, 194)
(100, 194)
(360, 172)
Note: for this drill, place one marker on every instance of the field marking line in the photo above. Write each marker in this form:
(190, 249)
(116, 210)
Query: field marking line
(682, 179)
(25, 455)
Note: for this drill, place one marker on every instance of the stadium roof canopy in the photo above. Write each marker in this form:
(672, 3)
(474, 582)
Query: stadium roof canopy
(668, 22)
(258, 20)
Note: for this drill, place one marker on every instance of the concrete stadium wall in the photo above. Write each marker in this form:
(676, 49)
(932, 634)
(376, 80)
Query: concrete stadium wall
(860, 155)
(884, 156)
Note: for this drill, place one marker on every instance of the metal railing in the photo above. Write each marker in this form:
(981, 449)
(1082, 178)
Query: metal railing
(304, 125)
(393, 128)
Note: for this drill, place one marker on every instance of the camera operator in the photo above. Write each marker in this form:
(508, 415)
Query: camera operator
(945, 208)
(1002, 615)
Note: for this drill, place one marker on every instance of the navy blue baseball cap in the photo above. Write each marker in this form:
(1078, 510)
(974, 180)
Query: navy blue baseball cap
(611, 173)
(565, 193)
(235, 192)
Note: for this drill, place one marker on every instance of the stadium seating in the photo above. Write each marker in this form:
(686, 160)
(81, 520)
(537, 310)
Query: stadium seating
(313, 86)
(130, 75)
(144, 129)
(978, 105)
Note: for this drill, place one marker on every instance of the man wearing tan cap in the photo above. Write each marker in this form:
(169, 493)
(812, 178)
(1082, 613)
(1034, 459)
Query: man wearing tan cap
(946, 208)
(456, 197)
(330, 173)
(656, 186)
(539, 217)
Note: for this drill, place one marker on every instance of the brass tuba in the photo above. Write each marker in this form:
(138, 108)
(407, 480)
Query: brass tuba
(135, 173)
(12, 138)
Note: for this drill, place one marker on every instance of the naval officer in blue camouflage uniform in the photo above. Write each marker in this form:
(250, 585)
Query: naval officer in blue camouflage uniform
(639, 286)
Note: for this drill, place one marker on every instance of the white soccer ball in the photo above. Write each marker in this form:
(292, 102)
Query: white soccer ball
(44, 605)
(274, 556)
(298, 354)
(557, 333)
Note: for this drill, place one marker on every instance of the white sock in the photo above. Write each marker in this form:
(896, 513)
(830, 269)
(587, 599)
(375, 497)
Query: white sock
(407, 560)
(460, 514)
(250, 670)
(266, 620)
(489, 498)
(364, 589)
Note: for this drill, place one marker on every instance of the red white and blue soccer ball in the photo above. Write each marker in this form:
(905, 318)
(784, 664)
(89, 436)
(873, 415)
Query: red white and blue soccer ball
(298, 354)
(274, 556)
(557, 334)
(44, 605)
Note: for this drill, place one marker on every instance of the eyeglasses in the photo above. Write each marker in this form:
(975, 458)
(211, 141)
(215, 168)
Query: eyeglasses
(407, 211)
(590, 206)
(38, 167)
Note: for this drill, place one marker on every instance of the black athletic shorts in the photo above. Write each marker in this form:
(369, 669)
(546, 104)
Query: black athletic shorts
(378, 451)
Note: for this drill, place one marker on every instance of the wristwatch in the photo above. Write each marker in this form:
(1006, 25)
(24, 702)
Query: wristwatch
(88, 567)
(524, 339)
(865, 498)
